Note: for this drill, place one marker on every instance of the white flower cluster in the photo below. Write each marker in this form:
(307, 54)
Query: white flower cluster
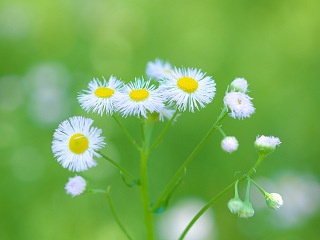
(238, 101)
(75, 143)
(167, 89)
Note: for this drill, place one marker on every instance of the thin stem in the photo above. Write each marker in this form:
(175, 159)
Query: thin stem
(144, 187)
(181, 170)
(158, 140)
(114, 213)
(256, 165)
(221, 131)
(132, 140)
(236, 194)
(220, 194)
(121, 169)
(247, 199)
(260, 188)
(116, 216)
(205, 208)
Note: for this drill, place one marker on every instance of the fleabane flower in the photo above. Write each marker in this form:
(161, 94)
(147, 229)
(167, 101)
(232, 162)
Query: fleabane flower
(75, 186)
(274, 200)
(188, 89)
(100, 96)
(235, 205)
(229, 144)
(239, 104)
(139, 98)
(246, 210)
(239, 85)
(266, 145)
(75, 143)
(158, 69)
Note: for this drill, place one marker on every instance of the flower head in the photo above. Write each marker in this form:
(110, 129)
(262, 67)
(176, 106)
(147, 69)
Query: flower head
(239, 104)
(75, 186)
(266, 145)
(246, 210)
(229, 144)
(235, 205)
(75, 143)
(274, 200)
(138, 98)
(239, 85)
(100, 96)
(188, 89)
(158, 69)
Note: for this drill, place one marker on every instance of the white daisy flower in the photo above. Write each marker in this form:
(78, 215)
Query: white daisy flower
(75, 143)
(188, 89)
(138, 98)
(100, 96)
(239, 104)
(75, 186)
(229, 144)
(158, 69)
(239, 85)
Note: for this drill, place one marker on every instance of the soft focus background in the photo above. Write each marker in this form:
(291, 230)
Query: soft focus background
(50, 50)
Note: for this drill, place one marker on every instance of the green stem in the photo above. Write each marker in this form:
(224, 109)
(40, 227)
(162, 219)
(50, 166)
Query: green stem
(221, 131)
(236, 194)
(260, 188)
(220, 194)
(247, 199)
(114, 213)
(126, 133)
(121, 169)
(144, 187)
(116, 216)
(158, 140)
(181, 170)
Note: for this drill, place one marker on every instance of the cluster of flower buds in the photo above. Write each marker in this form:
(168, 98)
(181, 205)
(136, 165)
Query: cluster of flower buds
(244, 209)
(238, 101)
(239, 105)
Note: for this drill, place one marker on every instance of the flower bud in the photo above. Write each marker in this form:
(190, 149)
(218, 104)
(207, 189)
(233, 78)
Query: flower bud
(246, 210)
(239, 85)
(75, 186)
(235, 204)
(229, 144)
(274, 200)
(266, 145)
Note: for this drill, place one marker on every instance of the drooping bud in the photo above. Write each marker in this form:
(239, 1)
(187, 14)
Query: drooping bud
(274, 200)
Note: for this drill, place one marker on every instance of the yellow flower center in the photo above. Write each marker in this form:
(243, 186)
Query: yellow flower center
(187, 84)
(139, 95)
(78, 143)
(104, 92)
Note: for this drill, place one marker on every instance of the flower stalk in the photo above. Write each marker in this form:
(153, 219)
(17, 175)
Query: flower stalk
(176, 178)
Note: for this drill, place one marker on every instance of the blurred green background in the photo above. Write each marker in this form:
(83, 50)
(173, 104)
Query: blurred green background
(50, 50)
